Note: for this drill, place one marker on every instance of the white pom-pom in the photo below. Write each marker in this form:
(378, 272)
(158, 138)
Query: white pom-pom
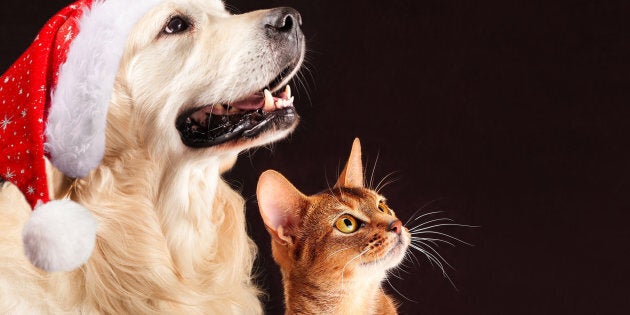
(59, 235)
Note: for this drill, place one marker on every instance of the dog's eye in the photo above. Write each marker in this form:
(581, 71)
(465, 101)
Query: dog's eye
(176, 25)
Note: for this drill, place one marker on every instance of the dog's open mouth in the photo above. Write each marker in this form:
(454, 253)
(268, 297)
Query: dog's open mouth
(246, 118)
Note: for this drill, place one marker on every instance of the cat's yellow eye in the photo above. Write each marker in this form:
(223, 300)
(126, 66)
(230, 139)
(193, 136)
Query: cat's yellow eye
(347, 224)
(382, 207)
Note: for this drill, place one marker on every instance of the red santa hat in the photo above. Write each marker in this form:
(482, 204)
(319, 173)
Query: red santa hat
(53, 102)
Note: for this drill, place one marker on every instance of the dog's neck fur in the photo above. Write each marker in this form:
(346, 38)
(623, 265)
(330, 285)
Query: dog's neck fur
(166, 251)
(186, 262)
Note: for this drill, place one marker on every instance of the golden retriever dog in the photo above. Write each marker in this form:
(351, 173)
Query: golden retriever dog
(195, 86)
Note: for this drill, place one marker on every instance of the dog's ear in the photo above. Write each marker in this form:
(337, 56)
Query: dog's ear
(280, 204)
(352, 174)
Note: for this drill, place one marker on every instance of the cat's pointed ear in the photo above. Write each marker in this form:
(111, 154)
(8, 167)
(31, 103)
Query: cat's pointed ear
(279, 203)
(352, 174)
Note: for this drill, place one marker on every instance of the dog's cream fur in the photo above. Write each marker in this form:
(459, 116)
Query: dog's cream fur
(171, 237)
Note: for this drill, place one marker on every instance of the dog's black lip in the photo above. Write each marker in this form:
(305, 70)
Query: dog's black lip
(280, 119)
(250, 124)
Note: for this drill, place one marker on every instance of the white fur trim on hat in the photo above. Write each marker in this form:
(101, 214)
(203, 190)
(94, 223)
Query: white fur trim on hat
(75, 131)
(59, 235)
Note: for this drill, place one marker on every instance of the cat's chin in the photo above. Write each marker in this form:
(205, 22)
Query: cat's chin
(393, 257)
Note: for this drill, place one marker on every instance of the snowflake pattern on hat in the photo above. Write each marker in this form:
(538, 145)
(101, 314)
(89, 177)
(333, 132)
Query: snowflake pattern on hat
(25, 94)
(53, 103)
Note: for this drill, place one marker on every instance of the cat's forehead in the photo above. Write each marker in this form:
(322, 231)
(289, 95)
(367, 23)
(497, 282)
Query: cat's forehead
(361, 203)
(349, 197)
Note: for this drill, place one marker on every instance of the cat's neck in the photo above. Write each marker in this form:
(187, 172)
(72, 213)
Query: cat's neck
(326, 294)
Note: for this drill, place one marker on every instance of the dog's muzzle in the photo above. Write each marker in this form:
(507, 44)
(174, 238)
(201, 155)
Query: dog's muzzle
(269, 109)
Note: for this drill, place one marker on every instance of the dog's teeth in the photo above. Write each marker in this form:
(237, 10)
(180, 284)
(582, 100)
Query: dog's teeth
(282, 103)
(287, 92)
(269, 103)
(218, 109)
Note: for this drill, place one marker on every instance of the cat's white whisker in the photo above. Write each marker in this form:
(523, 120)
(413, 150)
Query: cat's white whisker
(328, 183)
(403, 266)
(394, 275)
(330, 189)
(432, 240)
(389, 182)
(343, 270)
(412, 255)
(380, 184)
(402, 295)
(371, 183)
(431, 221)
(433, 259)
(411, 218)
(337, 251)
(436, 253)
(441, 224)
(416, 233)
(426, 240)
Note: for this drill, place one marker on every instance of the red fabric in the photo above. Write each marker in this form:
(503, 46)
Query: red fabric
(25, 91)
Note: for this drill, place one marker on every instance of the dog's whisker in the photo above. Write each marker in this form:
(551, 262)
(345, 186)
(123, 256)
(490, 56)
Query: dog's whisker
(300, 79)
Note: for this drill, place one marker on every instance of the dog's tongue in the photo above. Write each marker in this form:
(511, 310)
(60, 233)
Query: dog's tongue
(252, 102)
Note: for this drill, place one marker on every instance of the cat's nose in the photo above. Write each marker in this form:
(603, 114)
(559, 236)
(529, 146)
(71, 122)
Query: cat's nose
(395, 226)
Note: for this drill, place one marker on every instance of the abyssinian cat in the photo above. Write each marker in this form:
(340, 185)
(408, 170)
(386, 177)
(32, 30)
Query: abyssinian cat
(333, 248)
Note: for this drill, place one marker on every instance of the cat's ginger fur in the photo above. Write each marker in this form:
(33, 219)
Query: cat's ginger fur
(321, 286)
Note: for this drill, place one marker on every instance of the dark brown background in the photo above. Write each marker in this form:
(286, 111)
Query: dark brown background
(512, 115)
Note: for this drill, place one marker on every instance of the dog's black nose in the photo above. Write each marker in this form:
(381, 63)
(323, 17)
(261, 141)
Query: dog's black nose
(283, 21)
